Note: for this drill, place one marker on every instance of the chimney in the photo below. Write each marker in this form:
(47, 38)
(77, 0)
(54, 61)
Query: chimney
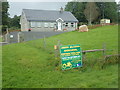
(61, 10)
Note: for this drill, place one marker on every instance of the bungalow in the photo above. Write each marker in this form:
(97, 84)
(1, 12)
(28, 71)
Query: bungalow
(47, 20)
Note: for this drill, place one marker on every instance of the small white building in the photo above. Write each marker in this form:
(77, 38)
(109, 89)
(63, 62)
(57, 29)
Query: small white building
(105, 21)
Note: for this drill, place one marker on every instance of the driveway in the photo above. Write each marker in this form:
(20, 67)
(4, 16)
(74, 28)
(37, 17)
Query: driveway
(3, 43)
(27, 36)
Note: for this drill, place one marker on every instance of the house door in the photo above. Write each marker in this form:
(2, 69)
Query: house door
(59, 26)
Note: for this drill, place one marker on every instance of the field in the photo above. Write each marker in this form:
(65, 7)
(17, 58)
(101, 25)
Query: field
(32, 64)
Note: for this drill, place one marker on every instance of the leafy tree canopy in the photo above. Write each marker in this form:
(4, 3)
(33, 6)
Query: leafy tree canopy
(106, 9)
(91, 12)
(77, 8)
(4, 12)
(14, 22)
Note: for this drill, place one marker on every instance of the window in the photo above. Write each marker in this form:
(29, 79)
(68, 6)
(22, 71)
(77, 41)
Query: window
(72, 24)
(38, 24)
(51, 24)
(45, 24)
(66, 25)
(63, 24)
(32, 24)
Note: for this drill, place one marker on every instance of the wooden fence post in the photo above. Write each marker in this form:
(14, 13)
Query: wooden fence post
(58, 44)
(83, 53)
(58, 51)
(56, 47)
(104, 49)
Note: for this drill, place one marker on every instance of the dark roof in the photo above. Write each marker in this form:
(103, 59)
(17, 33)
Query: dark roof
(48, 15)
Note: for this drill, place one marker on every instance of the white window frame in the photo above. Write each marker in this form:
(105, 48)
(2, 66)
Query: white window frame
(32, 24)
(46, 25)
(51, 25)
(67, 24)
(39, 24)
(73, 25)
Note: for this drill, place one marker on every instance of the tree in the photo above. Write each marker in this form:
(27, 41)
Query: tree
(108, 10)
(0, 17)
(0, 13)
(91, 12)
(118, 12)
(76, 8)
(111, 10)
(14, 22)
(5, 14)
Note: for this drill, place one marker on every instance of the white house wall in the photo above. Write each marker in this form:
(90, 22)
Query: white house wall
(42, 28)
(24, 23)
(49, 28)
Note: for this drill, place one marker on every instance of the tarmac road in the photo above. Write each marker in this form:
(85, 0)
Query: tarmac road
(27, 36)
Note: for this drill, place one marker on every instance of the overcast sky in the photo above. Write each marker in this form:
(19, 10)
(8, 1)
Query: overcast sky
(16, 6)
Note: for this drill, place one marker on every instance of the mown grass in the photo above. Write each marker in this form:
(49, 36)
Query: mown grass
(30, 65)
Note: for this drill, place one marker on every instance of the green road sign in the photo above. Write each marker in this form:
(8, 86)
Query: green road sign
(71, 56)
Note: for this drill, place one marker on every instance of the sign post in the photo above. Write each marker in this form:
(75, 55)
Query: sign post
(71, 56)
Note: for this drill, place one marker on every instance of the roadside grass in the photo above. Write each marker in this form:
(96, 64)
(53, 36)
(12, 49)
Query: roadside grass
(30, 65)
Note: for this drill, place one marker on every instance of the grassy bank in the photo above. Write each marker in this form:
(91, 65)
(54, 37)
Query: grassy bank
(28, 64)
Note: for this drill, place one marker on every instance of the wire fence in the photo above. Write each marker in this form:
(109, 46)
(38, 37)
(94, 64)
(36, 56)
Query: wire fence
(48, 44)
(98, 56)
(40, 41)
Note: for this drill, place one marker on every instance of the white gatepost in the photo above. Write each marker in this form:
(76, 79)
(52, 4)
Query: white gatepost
(7, 36)
(20, 37)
